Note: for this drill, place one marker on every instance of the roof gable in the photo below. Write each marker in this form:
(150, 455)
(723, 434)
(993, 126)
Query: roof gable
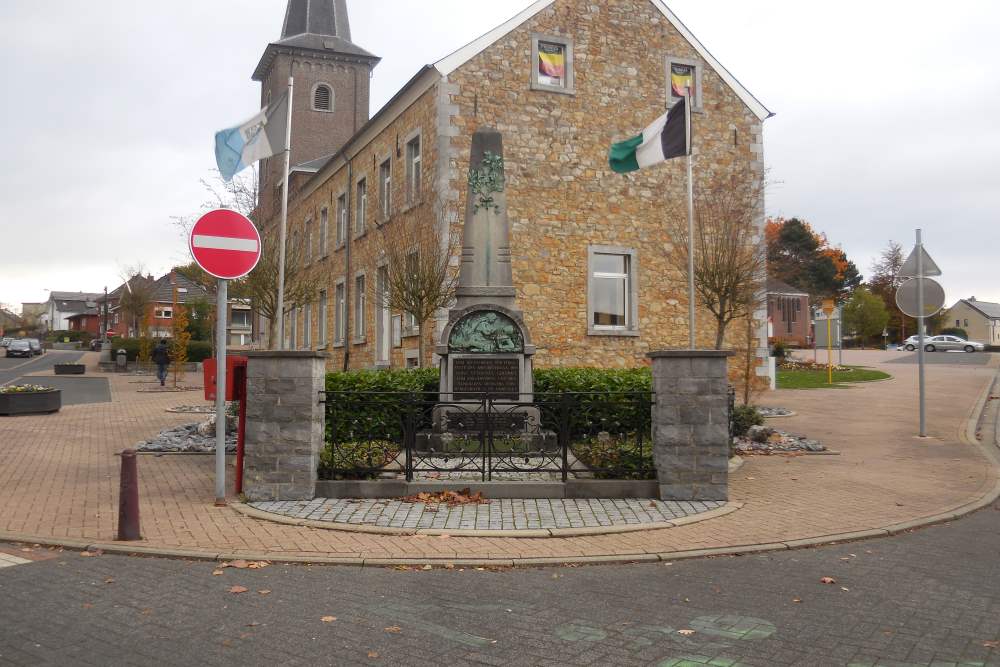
(450, 63)
(990, 310)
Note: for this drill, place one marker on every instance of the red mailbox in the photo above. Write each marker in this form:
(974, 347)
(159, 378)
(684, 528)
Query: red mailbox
(232, 363)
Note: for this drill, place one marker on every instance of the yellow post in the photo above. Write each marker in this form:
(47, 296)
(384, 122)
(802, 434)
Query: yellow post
(828, 307)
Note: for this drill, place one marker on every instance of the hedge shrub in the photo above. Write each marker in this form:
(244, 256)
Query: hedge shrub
(197, 350)
(954, 331)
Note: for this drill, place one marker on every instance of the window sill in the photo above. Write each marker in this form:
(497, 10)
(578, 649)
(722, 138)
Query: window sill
(361, 234)
(338, 345)
(359, 341)
(410, 333)
(542, 88)
(621, 333)
(383, 219)
(412, 205)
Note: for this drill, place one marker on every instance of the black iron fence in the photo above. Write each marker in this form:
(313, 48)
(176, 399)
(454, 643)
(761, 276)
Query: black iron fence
(553, 436)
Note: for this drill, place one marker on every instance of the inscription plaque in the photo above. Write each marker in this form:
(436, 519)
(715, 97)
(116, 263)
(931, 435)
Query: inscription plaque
(475, 376)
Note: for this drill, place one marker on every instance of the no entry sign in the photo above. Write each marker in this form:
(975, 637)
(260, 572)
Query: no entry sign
(225, 244)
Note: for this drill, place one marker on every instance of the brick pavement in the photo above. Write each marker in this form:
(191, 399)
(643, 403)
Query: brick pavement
(59, 473)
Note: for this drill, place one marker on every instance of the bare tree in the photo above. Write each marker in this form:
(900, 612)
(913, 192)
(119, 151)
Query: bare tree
(239, 194)
(137, 296)
(261, 286)
(419, 278)
(729, 256)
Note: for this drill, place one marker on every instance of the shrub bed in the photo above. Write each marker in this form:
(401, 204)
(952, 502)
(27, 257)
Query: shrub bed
(197, 350)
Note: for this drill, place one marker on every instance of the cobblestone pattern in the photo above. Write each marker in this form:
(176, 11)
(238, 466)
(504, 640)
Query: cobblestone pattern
(495, 515)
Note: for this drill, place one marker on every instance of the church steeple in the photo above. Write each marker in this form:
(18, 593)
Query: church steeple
(317, 17)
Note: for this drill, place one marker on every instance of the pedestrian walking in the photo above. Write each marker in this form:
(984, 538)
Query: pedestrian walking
(161, 357)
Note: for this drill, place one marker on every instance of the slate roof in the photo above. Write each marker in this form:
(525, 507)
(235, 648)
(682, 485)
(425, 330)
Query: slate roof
(320, 26)
(990, 310)
(775, 286)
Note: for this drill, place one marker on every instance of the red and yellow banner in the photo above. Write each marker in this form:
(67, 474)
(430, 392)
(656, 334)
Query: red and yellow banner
(552, 61)
(681, 79)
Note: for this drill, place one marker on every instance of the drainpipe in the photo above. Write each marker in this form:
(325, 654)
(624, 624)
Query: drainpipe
(348, 279)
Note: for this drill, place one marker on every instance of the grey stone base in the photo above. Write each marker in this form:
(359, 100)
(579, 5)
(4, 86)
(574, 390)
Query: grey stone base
(578, 488)
(704, 492)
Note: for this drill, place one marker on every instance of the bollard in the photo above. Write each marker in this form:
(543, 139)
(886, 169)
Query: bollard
(128, 499)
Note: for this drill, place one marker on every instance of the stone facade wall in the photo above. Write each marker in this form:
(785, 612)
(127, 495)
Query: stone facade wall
(562, 195)
(331, 266)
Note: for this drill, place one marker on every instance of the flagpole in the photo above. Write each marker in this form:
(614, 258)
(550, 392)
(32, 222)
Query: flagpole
(690, 193)
(280, 310)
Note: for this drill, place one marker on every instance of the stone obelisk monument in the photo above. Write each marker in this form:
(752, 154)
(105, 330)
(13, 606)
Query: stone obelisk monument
(485, 348)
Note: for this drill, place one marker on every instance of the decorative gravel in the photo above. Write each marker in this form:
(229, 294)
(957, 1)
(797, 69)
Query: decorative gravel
(775, 412)
(194, 409)
(186, 439)
(495, 515)
(765, 440)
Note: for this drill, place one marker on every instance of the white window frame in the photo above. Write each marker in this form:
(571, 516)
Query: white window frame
(361, 207)
(698, 90)
(307, 326)
(383, 317)
(385, 189)
(360, 307)
(294, 333)
(414, 165)
(631, 276)
(324, 231)
(160, 314)
(232, 319)
(312, 97)
(324, 297)
(410, 325)
(341, 240)
(339, 312)
(566, 43)
(307, 241)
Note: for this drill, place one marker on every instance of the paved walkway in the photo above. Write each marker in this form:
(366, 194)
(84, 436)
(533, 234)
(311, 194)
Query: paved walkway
(59, 478)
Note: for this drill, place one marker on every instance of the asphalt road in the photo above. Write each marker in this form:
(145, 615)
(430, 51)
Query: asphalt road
(12, 368)
(961, 358)
(925, 598)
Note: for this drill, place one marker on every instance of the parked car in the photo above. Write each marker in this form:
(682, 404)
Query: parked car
(6, 341)
(36, 346)
(945, 343)
(19, 348)
(95, 345)
(910, 344)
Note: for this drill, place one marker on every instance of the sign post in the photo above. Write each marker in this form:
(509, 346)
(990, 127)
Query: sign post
(226, 245)
(828, 307)
(920, 297)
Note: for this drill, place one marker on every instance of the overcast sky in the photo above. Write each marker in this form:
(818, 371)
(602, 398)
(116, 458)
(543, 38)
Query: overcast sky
(888, 119)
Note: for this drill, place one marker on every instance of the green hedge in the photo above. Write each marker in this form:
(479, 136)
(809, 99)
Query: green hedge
(74, 336)
(197, 350)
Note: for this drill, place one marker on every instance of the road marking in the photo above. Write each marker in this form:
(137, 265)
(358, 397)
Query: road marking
(224, 243)
(6, 560)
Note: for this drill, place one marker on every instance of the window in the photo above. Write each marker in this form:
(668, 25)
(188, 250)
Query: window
(683, 74)
(240, 319)
(241, 340)
(308, 240)
(612, 291)
(341, 220)
(307, 327)
(413, 267)
(385, 188)
(413, 171)
(552, 64)
(295, 247)
(338, 314)
(295, 329)
(324, 232)
(161, 314)
(958, 323)
(322, 318)
(966, 322)
(322, 98)
(361, 207)
(359, 308)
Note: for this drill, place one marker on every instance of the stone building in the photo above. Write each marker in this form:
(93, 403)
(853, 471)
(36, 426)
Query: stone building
(562, 81)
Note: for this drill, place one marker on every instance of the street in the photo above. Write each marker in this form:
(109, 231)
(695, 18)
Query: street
(13, 368)
(925, 598)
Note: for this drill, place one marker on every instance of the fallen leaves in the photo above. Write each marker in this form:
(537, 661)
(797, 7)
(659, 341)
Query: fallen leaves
(109, 580)
(372, 654)
(236, 590)
(685, 632)
(328, 619)
(245, 565)
(450, 498)
(216, 573)
(797, 600)
(991, 644)
(394, 629)
(828, 581)
(264, 592)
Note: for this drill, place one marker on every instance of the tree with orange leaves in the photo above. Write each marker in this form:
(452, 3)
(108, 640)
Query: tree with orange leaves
(802, 257)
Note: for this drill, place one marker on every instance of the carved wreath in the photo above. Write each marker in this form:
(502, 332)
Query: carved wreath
(487, 181)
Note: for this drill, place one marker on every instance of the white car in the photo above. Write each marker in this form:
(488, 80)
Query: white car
(945, 343)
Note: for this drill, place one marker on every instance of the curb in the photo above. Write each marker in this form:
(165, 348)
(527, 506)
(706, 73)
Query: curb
(966, 435)
(537, 533)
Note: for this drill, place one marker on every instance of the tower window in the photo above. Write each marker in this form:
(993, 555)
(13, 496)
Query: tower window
(322, 98)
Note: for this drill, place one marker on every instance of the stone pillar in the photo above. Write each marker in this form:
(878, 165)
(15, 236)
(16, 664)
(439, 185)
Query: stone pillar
(285, 424)
(691, 424)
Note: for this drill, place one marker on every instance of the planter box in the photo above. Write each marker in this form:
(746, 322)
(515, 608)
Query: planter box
(70, 369)
(30, 404)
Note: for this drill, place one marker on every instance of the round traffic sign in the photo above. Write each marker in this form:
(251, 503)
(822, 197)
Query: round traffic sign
(225, 244)
(906, 297)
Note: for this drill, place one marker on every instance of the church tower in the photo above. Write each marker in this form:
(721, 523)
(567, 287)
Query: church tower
(332, 77)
